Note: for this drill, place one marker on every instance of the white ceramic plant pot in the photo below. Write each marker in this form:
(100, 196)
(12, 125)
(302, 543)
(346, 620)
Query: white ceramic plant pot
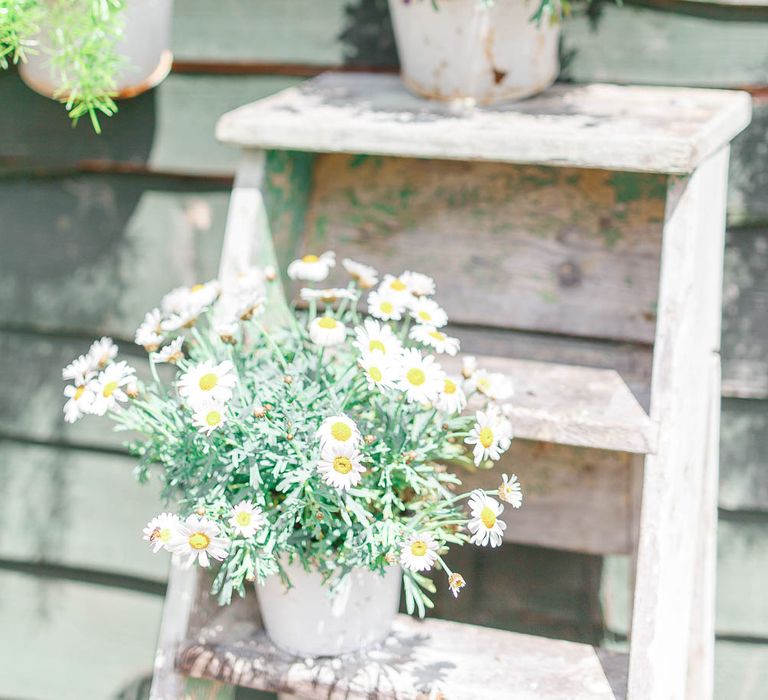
(144, 48)
(309, 620)
(465, 50)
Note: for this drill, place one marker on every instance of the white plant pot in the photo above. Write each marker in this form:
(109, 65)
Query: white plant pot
(464, 50)
(310, 620)
(144, 48)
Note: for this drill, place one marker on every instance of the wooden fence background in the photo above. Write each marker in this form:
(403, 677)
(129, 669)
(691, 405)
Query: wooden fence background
(94, 230)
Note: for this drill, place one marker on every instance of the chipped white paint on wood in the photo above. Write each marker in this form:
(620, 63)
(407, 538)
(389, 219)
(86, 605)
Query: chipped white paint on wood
(644, 129)
(670, 524)
(569, 405)
(420, 660)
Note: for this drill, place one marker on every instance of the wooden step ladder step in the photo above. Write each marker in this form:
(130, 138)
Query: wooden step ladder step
(571, 405)
(420, 660)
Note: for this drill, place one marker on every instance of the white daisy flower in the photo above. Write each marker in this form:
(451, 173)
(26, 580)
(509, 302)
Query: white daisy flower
(208, 415)
(456, 582)
(246, 519)
(208, 381)
(428, 312)
(396, 288)
(468, 366)
(451, 399)
(327, 296)
(373, 336)
(198, 539)
(419, 553)
(496, 386)
(380, 373)
(327, 331)
(419, 284)
(185, 318)
(491, 435)
(312, 268)
(108, 387)
(421, 378)
(80, 400)
(485, 526)
(101, 353)
(510, 491)
(190, 302)
(365, 275)
(159, 531)
(150, 333)
(338, 430)
(171, 353)
(80, 370)
(385, 307)
(435, 339)
(340, 466)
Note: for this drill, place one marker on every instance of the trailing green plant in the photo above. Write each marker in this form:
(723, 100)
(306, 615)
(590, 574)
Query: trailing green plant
(81, 38)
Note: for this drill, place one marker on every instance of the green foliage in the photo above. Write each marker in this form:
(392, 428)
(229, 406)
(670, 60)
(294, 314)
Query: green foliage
(19, 22)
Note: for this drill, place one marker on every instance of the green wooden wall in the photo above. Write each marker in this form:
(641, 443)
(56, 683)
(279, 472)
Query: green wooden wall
(94, 230)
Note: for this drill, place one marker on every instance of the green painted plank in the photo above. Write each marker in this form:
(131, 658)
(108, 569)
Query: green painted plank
(70, 641)
(93, 253)
(645, 45)
(170, 129)
(743, 453)
(748, 176)
(741, 671)
(78, 509)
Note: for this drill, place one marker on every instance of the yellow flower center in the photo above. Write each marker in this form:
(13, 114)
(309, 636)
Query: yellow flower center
(197, 288)
(341, 431)
(208, 381)
(437, 335)
(109, 389)
(343, 465)
(213, 418)
(375, 374)
(377, 345)
(486, 437)
(415, 376)
(79, 392)
(199, 540)
(418, 548)
(425, 315)
(449, 387)
(164, 534)
(386, 307)
(243, 518)
(488, 517)
(327, 322)
(484, 384)
(310, 259)
(398, 286)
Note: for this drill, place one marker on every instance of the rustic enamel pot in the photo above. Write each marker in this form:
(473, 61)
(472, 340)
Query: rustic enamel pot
(144, 48)
(465, 50)
(310, 619)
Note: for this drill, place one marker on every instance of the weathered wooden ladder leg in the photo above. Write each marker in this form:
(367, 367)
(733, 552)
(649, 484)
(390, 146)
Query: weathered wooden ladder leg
(672, 635)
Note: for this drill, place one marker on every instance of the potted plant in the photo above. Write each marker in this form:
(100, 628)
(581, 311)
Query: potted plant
(87, 53)
(304, 450)
(486, 51)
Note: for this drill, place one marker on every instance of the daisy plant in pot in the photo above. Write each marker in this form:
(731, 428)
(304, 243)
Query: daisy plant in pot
(306, 450)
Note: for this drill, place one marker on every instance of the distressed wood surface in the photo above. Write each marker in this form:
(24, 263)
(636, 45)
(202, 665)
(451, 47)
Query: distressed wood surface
(663, 130)
(84, 525)
(71, 641)
(575, 499)
(588, 267)
(449, 659)
(569, 405)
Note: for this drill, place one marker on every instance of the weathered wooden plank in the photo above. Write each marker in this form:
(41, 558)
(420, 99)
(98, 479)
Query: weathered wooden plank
(575, 499)
(748, 176)
(743, 450)
(120, 244)
(93, 506)
(71, 641)
(645, 45)
(588, 267)
(420, 657)
(658, 130)
(147, 134)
